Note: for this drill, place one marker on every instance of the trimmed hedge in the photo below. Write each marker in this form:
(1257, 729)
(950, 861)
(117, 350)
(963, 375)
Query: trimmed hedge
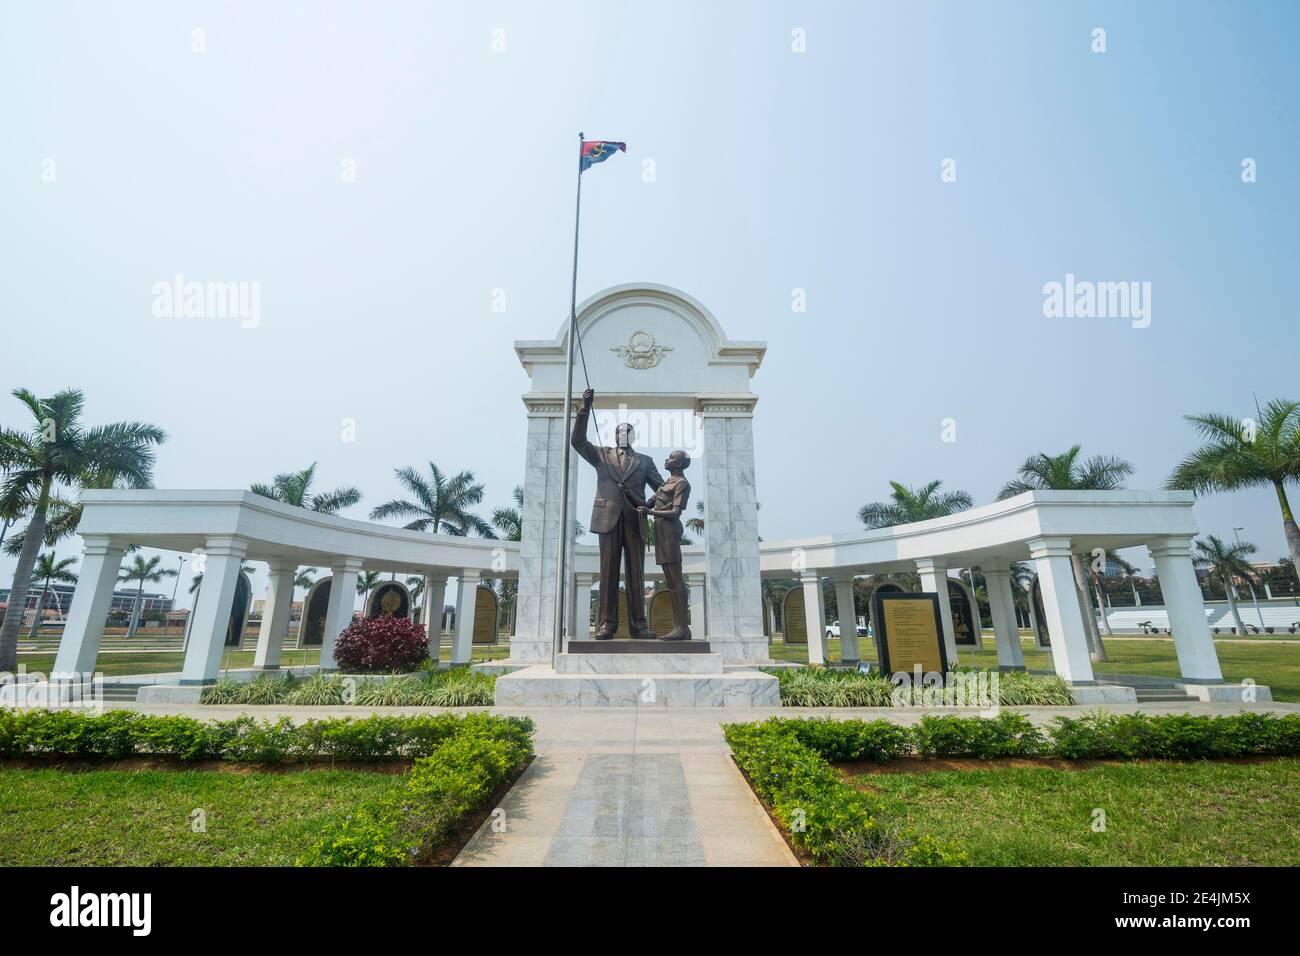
(118, 734)
(1093, 736)
(456, 779)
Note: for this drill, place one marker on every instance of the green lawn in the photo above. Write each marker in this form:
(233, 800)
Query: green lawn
(1156, 814)
(72, 816)
(1274, 663)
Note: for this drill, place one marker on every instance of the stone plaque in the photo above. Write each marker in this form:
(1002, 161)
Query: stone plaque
(909, 633)
(389, 599)
(311, 629)
(794, 622)
(873, 611)
(485, 615)
(965, 614)
(622, 631)
(1042, 637)
(661, 613)
(239, 609)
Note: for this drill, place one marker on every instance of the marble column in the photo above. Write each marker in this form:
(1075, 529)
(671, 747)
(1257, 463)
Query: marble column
(101, 558)
(1193, 642)
(580, 607)
(222, 559)
(539, 545)
(338, 613)
(276, 606)
(695, 587)
(1065, 623)
(435, 599)
(734, 603)
(467, 596)
(848, 618)
(934, 577)
(1002, 606)
(814, 608)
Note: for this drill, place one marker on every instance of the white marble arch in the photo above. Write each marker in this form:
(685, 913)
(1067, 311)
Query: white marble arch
(687, 367)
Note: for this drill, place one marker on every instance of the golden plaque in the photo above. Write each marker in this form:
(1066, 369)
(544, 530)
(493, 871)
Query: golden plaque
(911, 634)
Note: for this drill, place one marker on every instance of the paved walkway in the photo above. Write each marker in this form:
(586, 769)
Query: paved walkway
(629, 788)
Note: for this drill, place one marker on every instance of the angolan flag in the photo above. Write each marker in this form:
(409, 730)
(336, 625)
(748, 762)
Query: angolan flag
(598, 150)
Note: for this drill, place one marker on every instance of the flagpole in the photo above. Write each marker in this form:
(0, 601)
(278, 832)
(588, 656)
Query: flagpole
(561, 578)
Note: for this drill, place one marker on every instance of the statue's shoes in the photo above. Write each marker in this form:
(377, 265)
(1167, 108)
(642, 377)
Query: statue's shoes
(646, 635)
(677, 634)
(603, 635)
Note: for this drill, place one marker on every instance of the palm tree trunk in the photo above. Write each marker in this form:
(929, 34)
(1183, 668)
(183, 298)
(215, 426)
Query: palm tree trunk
(1289, 525)
(1101, 606)
(135, 611)
(32, 541)
(1232, 605)
(1096, 650)
(40, 612)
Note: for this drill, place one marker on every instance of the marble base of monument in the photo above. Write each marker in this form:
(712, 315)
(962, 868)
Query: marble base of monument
(618, 646)
(637, 680)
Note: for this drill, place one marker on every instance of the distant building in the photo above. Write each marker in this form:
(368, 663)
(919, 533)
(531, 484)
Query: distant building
(59, 598)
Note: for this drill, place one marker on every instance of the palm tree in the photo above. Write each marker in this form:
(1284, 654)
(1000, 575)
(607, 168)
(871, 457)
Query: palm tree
(48, 569)
(60, 450)
(1224, 562)
(294, 488)
(696, 524)
(304, 578)
(1095, 575)
(142, 570)
(913, 504)
(439, 506)
(366, 582)
(1065, 472)
(1241, 454)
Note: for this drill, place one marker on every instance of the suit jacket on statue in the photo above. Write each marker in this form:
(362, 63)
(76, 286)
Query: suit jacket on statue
(620, 481)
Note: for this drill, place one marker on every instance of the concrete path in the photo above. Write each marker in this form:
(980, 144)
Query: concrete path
(628, 788)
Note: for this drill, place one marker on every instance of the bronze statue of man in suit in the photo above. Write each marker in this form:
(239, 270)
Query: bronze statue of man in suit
(670, 502)
(621, 477)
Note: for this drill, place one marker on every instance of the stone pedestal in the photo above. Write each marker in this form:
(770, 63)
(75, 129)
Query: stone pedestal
(637, 680)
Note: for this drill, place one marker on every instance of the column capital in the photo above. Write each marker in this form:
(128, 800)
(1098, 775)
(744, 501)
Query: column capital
(995, 566)
(938, 565)
(812, 576)
(99, 544)
(282, 566)
(470, 574)
(738, 407)
(548, 406)
(346, 565)
(1049, 547)
(1174, 546)
(843, 577)
(695, 577)
(434, 577)
(230, 546)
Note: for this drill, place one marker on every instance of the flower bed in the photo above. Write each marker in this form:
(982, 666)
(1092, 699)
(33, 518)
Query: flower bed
(820, 687)
(458, 687)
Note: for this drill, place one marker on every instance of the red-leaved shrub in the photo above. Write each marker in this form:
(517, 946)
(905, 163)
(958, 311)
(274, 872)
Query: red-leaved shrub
(385, 644)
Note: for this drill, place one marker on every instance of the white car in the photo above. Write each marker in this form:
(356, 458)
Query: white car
(833, 630)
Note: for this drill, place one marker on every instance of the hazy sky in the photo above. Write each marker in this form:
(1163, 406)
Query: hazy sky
(774, 170)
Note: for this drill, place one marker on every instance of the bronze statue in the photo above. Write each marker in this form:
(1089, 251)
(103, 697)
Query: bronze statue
(621, 477)
(670, 502)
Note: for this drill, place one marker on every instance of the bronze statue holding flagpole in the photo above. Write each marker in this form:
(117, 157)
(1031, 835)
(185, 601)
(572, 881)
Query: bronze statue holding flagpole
(589, 153)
